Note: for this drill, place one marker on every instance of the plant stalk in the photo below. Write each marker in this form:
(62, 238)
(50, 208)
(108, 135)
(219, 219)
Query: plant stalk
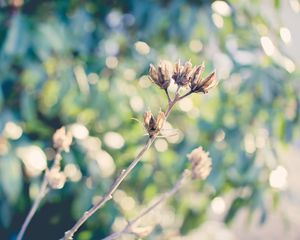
(124, 173)
(42, 193)
(163, 198)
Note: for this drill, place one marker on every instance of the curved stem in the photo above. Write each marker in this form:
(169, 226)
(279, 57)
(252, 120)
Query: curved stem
(43, 191)
(168, 95)
(185, 95)
(108, 196)
(124, 173)
(164, 197)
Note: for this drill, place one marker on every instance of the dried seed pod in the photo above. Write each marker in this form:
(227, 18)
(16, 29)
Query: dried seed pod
(204, 85)
(149, 121)
(196, 77)
(201, 163)
(152, 125)
(182, 73)
(210, 82)
(161, 76)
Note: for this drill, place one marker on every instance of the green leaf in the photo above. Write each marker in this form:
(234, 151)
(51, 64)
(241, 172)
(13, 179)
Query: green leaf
(277, 3)
(237, 204)
(16, 42)
(11, 177)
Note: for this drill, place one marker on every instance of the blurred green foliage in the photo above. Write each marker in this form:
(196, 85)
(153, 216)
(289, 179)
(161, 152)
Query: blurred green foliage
(66, 62)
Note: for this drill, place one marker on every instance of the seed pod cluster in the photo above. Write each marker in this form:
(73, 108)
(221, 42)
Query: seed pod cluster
(184, 75)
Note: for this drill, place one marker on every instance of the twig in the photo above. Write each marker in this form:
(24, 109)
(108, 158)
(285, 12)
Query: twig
(185, 95)
(168, 95)
(164, 197)
(42, 193)
(124, 173)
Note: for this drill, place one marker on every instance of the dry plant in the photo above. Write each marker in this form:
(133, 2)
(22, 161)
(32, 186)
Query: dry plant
(188, 80)
(186, 77)
(53, 177)
(201, 167)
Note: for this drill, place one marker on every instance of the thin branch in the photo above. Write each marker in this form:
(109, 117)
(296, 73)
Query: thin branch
(168, 95)
(185, 95)
(177, 92)
(163, 198)
(124, 173)
(42, 193)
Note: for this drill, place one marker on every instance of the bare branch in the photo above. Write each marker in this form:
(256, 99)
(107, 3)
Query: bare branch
(42, 193)
(168, 95)
(108, 196)
(163, 198)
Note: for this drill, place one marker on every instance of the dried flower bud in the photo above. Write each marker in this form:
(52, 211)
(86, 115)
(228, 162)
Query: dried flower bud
(196, 76)
(182, 73)
(149, 121)
(201, 163)
(62, 140)
(56, 178)
(152, 125)
(161, 76)
(210, 82)
(199, 85)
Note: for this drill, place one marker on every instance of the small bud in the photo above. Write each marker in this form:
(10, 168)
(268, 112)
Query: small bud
(201, 163)
(62, 140)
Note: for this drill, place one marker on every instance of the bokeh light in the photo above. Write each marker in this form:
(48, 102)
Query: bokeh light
(12, 130)
(34, 159)
(278, 178)
(114, 140)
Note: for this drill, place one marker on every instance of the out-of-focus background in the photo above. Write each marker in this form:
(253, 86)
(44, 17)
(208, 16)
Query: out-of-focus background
(83, 64)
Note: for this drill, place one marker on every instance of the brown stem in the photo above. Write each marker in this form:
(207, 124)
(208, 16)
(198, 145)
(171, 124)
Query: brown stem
(168, 95)
(164, 197)
(42, 192)
(124, 173)
(185, 95)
